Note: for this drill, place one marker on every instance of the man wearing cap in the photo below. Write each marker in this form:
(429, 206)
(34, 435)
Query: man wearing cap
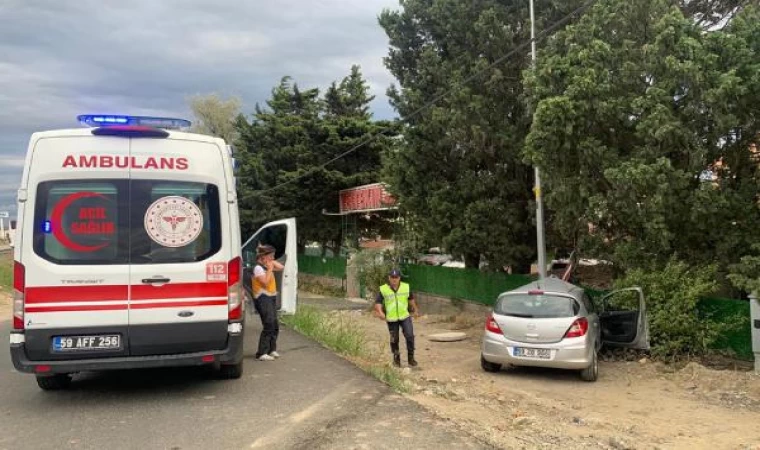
(394, 303)
(265, 301)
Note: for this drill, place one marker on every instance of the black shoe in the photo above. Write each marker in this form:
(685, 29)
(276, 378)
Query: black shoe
(412, 361)
(397, 360)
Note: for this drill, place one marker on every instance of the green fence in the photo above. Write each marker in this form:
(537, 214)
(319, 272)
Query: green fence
(465, 284)
(327, 267)
(739, 338)
(484, 287)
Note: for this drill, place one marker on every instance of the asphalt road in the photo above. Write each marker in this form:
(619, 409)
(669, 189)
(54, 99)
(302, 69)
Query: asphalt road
(309, 399)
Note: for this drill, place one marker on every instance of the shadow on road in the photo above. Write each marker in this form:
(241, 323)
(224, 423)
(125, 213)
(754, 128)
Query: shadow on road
(182, 380)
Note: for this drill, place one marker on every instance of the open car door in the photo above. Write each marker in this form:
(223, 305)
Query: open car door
(280, 234)
(623, 319)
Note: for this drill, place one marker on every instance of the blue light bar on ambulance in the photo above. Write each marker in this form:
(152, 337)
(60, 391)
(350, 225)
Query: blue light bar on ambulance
(104, 120)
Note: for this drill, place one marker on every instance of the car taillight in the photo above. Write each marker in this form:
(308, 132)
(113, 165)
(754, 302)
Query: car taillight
(578, 328)
(491, 325)
(234, 289)
(19, 287)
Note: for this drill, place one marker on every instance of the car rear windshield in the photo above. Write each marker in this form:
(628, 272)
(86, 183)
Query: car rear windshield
(536, 306)
(126, 222)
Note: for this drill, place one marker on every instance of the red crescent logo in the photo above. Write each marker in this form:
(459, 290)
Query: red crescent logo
(56, 218)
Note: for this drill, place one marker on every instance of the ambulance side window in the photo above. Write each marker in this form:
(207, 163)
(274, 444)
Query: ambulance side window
(80, 222)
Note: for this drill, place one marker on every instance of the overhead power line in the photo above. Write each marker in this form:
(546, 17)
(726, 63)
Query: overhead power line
(539, 37)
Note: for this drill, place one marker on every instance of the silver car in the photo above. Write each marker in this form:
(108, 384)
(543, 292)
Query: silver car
(554, 324)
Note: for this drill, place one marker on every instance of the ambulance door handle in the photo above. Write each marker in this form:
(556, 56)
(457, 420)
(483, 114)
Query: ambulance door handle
(156, 280)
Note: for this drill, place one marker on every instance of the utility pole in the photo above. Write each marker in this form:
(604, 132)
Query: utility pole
(537, 187)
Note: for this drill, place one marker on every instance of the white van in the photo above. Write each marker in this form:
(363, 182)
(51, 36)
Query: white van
(128, 252)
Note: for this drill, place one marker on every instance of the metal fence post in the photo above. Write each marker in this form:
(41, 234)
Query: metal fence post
(754, 315)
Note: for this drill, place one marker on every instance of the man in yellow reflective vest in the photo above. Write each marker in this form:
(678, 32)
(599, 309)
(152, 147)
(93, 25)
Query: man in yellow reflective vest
(395, 304)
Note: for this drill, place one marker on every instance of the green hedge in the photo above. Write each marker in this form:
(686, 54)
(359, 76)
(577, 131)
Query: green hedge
(327, 267)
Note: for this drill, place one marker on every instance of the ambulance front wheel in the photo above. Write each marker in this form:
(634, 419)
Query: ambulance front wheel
(55, 382)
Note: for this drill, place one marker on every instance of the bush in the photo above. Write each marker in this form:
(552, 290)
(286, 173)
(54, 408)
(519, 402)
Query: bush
(746, 274)
(373, 267)
(676, 327)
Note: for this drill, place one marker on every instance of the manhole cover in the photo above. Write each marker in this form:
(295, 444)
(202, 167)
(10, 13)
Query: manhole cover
(448, 337)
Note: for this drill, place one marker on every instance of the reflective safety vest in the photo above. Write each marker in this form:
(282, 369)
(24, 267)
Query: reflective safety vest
(396, 303)
(260, 288)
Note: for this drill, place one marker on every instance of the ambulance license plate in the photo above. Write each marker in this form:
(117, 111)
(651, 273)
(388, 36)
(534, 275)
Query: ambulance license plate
(99, 342)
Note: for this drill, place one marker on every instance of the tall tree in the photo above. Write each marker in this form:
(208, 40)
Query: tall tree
(288, 143)
(712, 13)
(215, 116)
(633, 103)
(460, 172)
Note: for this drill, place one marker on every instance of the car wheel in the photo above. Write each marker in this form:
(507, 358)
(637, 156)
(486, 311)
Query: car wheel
(591, 373)
(489, 366)
(231, 371)
(55, 382)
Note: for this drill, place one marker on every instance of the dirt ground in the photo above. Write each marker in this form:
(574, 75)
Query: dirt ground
(633, 405)
(5, 304)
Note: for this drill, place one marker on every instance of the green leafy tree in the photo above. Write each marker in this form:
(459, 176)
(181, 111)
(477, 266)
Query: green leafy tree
(215, 116)
(288, 145)
(632, 103)
(712, 13)
(459, 172)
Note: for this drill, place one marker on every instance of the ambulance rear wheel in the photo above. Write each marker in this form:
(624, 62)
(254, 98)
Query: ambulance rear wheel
(231, 371)
(55, 382)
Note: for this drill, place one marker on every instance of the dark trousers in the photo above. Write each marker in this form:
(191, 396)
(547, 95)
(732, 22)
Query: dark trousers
(407, 328)
(266, 306)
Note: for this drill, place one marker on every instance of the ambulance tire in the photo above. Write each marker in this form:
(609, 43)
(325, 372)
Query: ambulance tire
(230, 371)
(55, 382)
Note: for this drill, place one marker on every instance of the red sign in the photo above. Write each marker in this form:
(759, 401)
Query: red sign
(216, 271)
(89, 222)
(125, 162)
(366, 198)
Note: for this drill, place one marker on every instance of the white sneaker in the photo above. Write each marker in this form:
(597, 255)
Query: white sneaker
(274, 354)
(265, 358)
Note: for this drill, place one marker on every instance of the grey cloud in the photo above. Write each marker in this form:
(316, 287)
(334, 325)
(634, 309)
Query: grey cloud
(10, 179)
(154, 52)
(61, 59)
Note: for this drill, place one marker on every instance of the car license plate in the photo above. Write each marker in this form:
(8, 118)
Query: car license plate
(97, 342)
(538, 353)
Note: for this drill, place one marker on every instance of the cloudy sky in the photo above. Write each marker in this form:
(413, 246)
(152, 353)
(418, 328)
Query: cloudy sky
(63, 58)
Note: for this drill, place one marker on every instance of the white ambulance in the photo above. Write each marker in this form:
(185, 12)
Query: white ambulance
(128, 252)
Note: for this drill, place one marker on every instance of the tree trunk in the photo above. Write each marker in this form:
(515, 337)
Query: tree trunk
(522, 267)
(472, 260)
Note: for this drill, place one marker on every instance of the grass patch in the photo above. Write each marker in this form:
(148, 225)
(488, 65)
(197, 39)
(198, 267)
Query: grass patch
(321, 289)
(461, 321)
(335, 332)
(6, 271)
(389, 376)
(346, 337)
